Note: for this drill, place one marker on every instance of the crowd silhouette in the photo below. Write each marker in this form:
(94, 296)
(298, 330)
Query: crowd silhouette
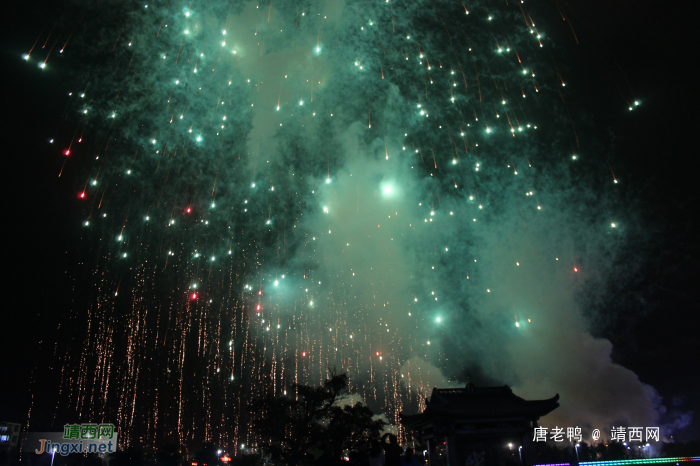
(384, 452)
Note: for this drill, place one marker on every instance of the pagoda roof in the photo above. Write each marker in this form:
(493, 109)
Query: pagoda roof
(473, 403)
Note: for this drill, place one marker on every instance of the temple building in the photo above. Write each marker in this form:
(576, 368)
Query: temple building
(478, 426)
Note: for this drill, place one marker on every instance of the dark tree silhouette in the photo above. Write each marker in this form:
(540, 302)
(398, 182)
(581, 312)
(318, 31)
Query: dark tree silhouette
(207, 456)
(288, 426)
(129, 457)
(169, 455)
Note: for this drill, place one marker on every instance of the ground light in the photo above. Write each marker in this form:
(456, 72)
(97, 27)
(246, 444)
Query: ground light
(630, 462)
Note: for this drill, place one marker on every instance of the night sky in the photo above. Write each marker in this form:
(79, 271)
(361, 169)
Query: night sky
(643, 296)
